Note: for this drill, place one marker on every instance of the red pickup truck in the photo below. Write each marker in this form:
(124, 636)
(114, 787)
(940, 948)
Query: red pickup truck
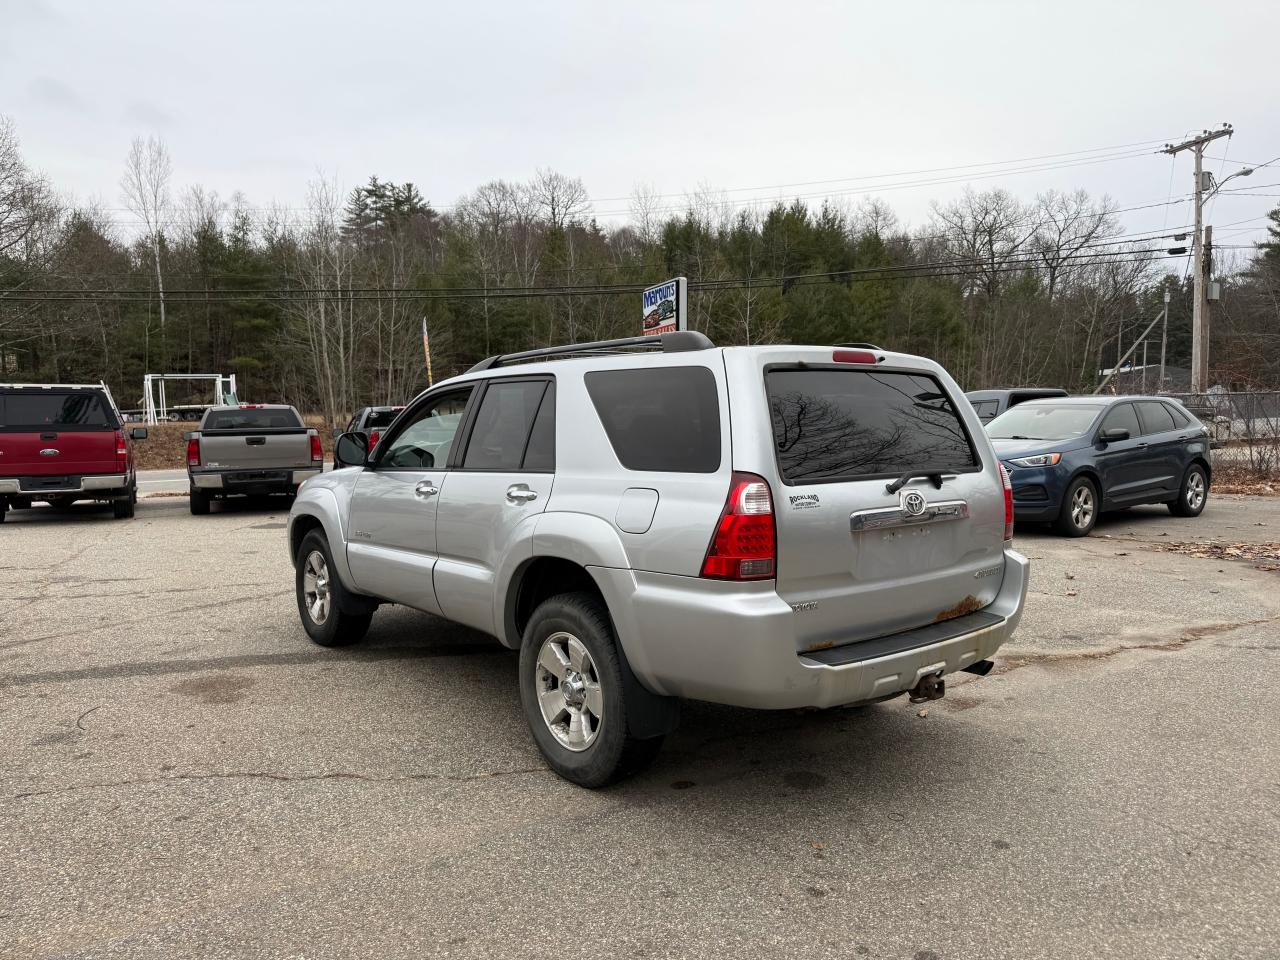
(65, 442)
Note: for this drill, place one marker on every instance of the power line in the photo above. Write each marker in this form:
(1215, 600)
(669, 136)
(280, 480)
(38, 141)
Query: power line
(954, 268)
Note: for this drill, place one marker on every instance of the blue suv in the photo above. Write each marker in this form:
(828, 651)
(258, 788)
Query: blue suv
(1071, 458)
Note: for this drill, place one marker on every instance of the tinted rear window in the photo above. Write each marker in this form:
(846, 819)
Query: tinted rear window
(380, 418)
(1156, 417)
(277, 419)
(665, 418)
(49, 410)
(838, 424)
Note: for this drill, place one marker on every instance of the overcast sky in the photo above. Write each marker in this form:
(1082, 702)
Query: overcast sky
(261, 97)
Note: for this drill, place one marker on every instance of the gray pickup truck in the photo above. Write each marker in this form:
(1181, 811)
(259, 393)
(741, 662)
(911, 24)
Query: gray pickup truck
(251, 449)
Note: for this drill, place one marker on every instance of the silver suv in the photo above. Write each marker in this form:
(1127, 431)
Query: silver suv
(657, 518)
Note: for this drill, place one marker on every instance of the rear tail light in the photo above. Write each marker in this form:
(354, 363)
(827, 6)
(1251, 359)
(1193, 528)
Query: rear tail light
(317, 452)
(122, 452)
(193, 452)
(1008, 503)
(745, 544)
(373, 439)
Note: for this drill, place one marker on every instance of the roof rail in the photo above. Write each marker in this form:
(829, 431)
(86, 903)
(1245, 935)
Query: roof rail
(862, 346)
(680, 341)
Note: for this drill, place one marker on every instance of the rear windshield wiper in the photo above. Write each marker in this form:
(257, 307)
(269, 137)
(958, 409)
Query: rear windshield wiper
(934, 476)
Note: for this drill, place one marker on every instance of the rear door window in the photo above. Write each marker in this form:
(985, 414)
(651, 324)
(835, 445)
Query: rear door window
(48, 410)
(855, 424)
(248, 418)
(540, 454)
(503, 425)
(1156, 417)
(663, 419)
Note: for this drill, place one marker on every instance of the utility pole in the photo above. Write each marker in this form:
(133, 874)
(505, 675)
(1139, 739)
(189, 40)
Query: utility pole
(1200, 305)
(1164, 340)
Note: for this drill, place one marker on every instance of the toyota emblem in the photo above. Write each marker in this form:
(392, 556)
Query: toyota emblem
(913, 503)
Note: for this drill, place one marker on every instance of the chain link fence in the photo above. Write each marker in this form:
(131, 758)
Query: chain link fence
(1245, 426)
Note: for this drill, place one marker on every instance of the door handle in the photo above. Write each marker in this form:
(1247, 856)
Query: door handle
(519, 493)
(425, 489)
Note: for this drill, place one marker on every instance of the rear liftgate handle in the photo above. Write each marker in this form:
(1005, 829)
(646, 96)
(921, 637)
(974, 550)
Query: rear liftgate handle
(425, 489)
(520, 493)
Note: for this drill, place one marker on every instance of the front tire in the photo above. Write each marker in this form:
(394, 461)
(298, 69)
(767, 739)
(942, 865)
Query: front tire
(1193, 494)
(1079, 509)
(320, 596)
(573, 694)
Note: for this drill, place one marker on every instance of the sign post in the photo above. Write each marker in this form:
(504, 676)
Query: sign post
(666, 307)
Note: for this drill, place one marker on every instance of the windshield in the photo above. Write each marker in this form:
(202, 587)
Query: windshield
(1036, 421)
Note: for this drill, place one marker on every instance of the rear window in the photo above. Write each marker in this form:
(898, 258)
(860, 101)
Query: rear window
(381, 418)
(850, 424)
(248, 419)
(986, 409)
(664, 418)
(49, 410)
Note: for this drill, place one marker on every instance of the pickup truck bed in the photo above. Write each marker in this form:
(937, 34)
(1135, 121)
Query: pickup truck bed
(254, 450)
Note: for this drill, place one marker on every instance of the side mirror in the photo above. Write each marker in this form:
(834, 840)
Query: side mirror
(1114, 434)
(138, 433)
(351, 450)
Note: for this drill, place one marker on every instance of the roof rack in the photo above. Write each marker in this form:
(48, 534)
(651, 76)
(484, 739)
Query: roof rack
(859, 346)
(681, 341)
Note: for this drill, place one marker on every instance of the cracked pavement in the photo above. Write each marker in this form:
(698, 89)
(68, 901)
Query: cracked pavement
(184, 774)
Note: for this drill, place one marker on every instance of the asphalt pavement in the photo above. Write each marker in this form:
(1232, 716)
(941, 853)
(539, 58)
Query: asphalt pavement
(185, 774)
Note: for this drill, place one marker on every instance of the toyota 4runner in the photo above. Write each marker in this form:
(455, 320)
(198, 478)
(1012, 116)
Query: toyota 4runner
(656, 518)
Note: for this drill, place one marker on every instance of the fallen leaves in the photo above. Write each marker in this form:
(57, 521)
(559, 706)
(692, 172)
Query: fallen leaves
(1264, 556)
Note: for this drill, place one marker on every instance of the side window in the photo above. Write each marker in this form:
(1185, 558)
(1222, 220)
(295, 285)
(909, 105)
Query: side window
(986, 409)
(1156, 417)
(352, 425)
(503, 425)
(1122, 417)
(1180, 419)
(540, 455)
(660, 418)
(424, 442)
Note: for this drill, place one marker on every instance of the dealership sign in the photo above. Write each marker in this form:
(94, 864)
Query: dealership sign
(666, 307)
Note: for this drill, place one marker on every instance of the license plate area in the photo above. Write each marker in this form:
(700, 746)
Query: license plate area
(45, 484)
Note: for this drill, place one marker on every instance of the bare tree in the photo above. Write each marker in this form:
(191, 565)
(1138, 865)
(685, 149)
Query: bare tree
(145, 188)
(561, 200)
(645, 216)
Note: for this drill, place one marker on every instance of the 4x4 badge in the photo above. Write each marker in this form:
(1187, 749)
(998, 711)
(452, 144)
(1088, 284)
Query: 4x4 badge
(913, 503)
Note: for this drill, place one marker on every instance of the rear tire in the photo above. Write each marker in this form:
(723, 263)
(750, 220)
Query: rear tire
(321, 596)
(123, 508)
(574, 696)
(1079, 510)
(199, 503)
(1193, 493)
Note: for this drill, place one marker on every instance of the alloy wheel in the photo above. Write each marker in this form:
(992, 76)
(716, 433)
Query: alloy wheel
(315, 587)
(568, 689)
(1082, 507)
(1195, 490)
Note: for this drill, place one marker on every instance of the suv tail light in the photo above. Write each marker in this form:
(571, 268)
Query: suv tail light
(373, 439)
(317, 452)
(1008, 502)
(122, 452)
(745, 544)
(193, 452)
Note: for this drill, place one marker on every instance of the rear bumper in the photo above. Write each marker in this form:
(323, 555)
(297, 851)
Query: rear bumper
(251, 481)
(102, 485)
(733, 644)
